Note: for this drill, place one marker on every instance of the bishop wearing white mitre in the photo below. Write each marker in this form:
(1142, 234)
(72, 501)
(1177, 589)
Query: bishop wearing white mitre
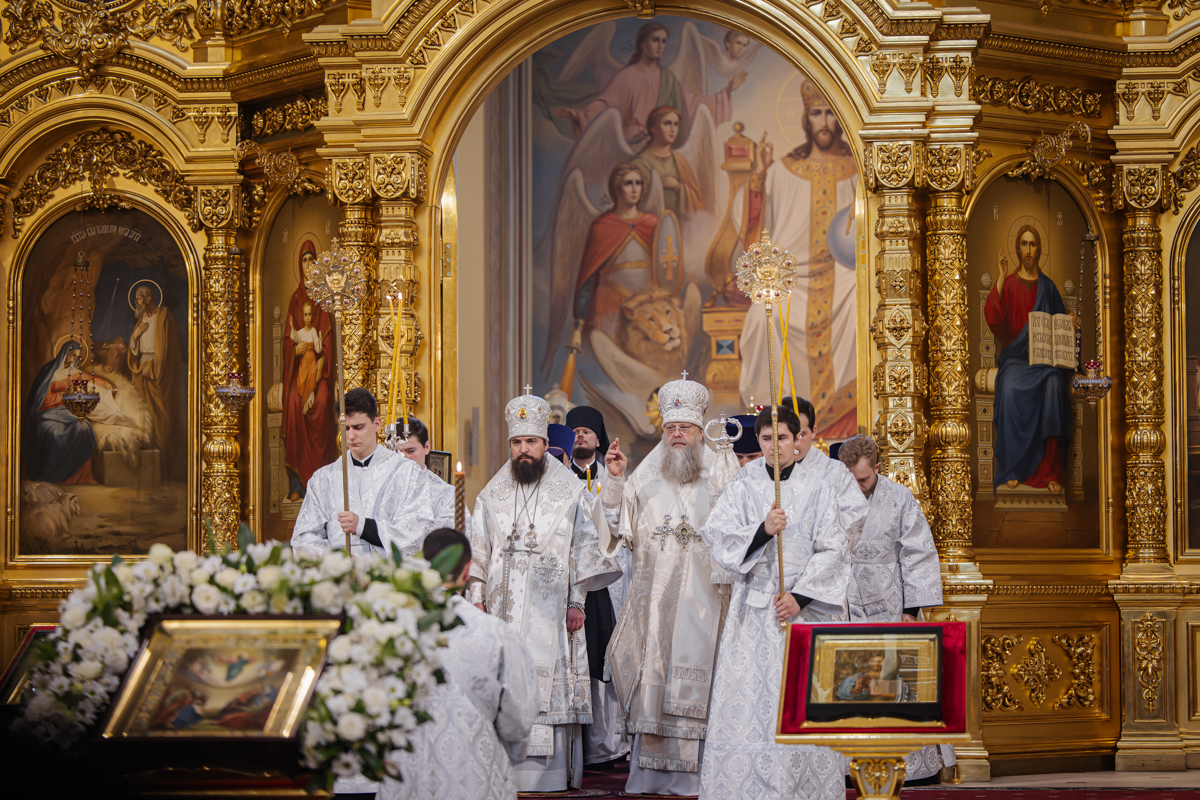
(894, 569)
(534, 559)
(742, 759)
(482, 714)
(389, 502)
(664, 647)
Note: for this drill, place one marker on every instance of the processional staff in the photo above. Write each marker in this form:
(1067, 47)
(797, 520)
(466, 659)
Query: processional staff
(335, 281)
(766, 273)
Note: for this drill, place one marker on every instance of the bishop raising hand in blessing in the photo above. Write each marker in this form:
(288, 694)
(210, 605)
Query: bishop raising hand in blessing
(534, 559)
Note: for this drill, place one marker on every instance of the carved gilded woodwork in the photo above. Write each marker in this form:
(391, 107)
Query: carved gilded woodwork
(993, 676)
(1155, 93)
(1148, 650)
(243, 16)
(440, 30)
(1048, 150)
(899, 381)
(1033, 97)
(1037, 672)
(96, 156)
(348, 181)
(295, 115)
(1081, 649)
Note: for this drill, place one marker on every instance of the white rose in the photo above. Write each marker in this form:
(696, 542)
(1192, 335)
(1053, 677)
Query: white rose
(254, 601)
(353, 678)
(161, 554)
(269, 577)
(124, 573)
(199, 576)
(86, 670)
(339, 648)
(327, 597)
(335, 564)
(352, 727)
(431, 579)
(185, 561)
(376, 699)
(278, 603)
(227, 577)
(206, 598)
(244, 583)
(73, 617)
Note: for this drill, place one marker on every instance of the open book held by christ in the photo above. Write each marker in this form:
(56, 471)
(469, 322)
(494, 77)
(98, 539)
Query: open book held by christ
(1051, 340)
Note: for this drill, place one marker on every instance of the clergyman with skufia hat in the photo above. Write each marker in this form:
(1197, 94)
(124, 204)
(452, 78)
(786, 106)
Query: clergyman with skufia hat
(806, 201)
(663, 652)
(534, 558)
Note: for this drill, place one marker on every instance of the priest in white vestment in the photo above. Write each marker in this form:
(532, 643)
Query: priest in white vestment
(894, 568)
(664, 648)
(482, 714)
(416, 449)
(805, 202)
(534, 558)
(742, 760)
(390, 503)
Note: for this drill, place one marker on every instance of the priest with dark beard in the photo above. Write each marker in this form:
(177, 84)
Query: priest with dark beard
(664, 648)
(603, 741)
(534, 557)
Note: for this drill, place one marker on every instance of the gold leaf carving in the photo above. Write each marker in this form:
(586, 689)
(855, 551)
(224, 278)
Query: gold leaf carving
(1081, 650)
(1031, 96)
(1037, 672)
(997, 695)
(295, 115)
(1148, 647)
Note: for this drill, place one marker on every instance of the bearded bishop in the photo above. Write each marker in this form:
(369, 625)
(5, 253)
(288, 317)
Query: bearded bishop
(534, 559)
(743, 760)
(664, 648)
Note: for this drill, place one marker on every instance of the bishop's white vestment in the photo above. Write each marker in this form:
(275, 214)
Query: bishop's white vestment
(893, 567)
(800, 199)
(482, 716)
(742, 759)
(390, 490)
(528, 577)
(663, 651)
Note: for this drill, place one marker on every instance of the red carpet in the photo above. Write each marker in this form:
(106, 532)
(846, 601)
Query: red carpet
(603, 784)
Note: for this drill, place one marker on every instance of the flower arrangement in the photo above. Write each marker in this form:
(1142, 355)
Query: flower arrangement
(378, 674)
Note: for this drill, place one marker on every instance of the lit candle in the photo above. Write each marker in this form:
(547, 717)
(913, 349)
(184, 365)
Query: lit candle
(393, 384)
(460, 497)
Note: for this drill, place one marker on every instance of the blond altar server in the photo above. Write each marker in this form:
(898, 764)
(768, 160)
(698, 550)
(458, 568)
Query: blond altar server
(534, 558)
(664, 647)
(484, 711)
(894, 568)
(741, 758)
(390, 503)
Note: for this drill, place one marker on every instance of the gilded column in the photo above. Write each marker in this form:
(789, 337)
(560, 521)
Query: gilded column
(351, 185)
(401, 181)
(899, 379)
(1140, 191)
(947, 169)
(221, 322)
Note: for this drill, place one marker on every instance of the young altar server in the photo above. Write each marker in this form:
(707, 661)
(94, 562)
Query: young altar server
(894, 569)
(389, 500)
(484, 711)
(534, 558)
(416, 449)
(741, 758)
(811, 459)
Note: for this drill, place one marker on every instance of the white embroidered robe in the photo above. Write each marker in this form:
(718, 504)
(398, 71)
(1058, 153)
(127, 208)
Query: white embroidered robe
(482, 716)
(742, 759)
(531, 586)
(895, 566)
(664, 647)
(389, 490)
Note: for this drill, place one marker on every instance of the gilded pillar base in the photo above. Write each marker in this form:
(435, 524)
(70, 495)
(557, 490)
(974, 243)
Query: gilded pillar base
(964, 592)
(1150, 738)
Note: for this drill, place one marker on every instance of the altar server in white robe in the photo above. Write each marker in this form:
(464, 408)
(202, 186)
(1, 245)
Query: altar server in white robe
(741, 757)
(812, 459)
(416, 448)
(534, 558)
(389, 501)
(482, 714)
(894, 568)
(664, 648)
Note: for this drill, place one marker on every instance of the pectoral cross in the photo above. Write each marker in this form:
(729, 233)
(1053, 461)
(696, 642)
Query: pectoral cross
(664, 531)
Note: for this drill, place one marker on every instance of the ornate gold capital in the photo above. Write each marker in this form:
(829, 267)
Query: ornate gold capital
(1139, 187)
(219, 206)
(951, 167)
(348, 180)
(643, 8)
(400, 176)
(892, 165)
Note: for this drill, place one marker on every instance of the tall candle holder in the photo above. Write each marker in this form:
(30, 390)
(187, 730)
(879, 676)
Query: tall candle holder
(238, 389)
(1093, 384)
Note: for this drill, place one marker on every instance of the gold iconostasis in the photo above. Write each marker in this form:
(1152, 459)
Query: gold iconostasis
(991, 209)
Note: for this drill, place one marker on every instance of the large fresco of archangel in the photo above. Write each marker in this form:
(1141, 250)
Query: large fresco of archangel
(660, 150)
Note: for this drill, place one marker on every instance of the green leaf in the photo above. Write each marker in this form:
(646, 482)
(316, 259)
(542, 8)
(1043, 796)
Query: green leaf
(430, 619)
(212, 540)
(245, 537)
(445, 561)
(396, 557)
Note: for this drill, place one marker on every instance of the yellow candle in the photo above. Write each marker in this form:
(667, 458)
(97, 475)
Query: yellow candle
(398, 380)
(391, 412)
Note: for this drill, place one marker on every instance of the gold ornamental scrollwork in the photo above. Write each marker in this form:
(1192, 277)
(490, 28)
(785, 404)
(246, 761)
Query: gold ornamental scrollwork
(96, 156)
(349, 181)
(243, 16)
(1029, 95)
(1081, 649)
(218, 206)
(643, 8)
(993, 678)
(1037, 671)
(396, 176)
(92, 33)
(891, 165)
(1148, 648)
(295, 115)
(1048, 151)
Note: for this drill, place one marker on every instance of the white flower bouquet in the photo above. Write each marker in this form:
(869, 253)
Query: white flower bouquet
(378, 672)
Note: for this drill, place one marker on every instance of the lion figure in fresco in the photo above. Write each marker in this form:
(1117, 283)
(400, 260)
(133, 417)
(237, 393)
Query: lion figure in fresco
(654, 330)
